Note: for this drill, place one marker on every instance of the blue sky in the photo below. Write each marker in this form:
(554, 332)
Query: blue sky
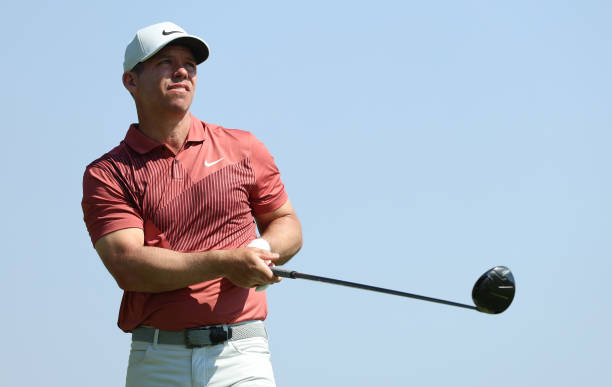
(421, 143)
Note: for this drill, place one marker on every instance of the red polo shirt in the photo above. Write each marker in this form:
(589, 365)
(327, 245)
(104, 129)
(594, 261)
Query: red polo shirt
(201, 199)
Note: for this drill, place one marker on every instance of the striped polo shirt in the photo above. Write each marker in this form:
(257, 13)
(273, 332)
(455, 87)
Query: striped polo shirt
(203, 198)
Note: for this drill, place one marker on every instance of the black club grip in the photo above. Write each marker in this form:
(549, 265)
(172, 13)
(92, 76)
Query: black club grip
(283, 272)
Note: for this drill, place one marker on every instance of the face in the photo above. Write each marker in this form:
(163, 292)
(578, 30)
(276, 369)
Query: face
(166, 83)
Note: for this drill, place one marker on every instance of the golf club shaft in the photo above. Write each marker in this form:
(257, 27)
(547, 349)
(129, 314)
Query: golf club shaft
(294, 274)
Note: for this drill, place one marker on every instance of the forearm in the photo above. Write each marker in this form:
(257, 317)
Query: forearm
(285, 237)
(141, 268)
(152, 269)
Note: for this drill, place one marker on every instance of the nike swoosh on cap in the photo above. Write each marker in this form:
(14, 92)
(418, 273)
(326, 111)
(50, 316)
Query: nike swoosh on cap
(164, 32)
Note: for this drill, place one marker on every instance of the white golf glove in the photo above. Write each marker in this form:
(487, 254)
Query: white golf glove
(263, 244)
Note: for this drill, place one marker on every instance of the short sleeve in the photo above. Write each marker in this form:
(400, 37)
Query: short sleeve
(106, 207)
(269, 192)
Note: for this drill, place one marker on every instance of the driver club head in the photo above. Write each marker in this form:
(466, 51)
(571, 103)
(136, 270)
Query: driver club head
(494, 291)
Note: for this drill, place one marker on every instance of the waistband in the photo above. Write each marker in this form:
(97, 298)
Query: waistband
(201, 336)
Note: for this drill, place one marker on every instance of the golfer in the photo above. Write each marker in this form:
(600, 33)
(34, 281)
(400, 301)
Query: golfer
(172, 212)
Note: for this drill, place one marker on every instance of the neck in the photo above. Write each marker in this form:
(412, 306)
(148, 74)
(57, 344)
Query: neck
(169, 130)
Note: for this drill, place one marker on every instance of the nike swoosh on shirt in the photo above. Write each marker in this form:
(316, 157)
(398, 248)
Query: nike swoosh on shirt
(213, 163)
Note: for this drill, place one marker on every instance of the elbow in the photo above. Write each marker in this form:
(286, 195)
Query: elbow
(129, 280)
(130, 283)
(118, 266)
(299, 243)
(298, 238)
(124, 280)
(123, 256)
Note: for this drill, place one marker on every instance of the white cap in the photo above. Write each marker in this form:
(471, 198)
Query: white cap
(149, 40)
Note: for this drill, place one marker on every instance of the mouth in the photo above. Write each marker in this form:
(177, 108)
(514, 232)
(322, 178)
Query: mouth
(179, 87)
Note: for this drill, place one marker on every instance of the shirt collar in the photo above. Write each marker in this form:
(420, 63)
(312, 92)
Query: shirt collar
(142, 144)
(196, 131)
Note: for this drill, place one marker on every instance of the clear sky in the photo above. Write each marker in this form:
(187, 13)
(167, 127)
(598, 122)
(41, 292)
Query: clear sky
(421, 144)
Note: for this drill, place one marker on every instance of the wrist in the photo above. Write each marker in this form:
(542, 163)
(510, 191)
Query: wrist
(216, 262)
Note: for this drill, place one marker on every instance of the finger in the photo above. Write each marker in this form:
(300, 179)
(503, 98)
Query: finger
(259, 288)
(268, 255)
(267, 283)
(262, 275)
(265, 254)
(273, 279)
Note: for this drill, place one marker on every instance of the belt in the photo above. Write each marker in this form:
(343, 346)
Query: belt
(201, 336)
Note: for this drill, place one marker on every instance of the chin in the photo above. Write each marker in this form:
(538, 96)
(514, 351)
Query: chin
(178, 106)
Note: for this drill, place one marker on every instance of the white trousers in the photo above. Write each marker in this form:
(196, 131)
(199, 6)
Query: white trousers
(239, 363)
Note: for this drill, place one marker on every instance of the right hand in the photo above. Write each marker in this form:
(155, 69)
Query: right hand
(247, 267)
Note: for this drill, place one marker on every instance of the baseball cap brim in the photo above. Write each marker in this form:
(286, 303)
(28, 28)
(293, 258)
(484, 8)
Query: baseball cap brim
(198, 47)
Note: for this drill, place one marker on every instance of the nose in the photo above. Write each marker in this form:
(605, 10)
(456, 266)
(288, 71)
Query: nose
(181, 72)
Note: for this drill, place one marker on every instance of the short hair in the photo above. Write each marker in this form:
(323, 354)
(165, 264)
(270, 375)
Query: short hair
(138, 68)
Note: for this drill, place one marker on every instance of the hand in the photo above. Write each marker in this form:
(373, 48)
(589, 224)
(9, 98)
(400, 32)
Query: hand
(247, 267)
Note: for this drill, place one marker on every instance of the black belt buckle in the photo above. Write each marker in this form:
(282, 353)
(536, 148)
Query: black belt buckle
(216, 335)
(219, 335)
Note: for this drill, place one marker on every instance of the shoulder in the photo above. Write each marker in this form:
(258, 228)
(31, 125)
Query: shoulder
(114, 161)
(229, 134)
(238, 140)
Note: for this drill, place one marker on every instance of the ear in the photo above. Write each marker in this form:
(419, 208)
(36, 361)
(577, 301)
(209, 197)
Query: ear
(130, 81)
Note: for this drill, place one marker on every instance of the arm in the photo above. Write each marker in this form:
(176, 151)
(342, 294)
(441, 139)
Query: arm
(141, 268)
(282, 229)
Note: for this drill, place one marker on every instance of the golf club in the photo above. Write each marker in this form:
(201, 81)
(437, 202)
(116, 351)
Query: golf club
(492, 293)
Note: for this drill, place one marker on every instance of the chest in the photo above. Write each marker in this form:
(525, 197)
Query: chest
(173, 188)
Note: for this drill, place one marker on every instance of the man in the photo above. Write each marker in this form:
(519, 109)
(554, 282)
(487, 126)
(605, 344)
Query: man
(171, 211)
